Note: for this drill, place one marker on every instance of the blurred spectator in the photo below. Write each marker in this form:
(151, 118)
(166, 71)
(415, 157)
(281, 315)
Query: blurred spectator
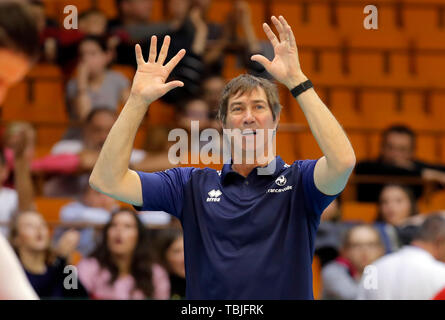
(8, 196)
(328, 239)
(416, 271)
(194, 110)
(132, 12)
(133, 25)
(92, 208)
(212, 88)
(361, 247)
(19, 44)
(122, 265)
(96, 127)
(93, 22)
(43, 266)
(188, 31)
(19, 142)
(171, 251)
(95, 85)
(396, 204)
(397, 159)
(250, 42)
(48, 30)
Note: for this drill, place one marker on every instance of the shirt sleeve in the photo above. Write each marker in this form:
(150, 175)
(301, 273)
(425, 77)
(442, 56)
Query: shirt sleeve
(316, 201)
(164, 190)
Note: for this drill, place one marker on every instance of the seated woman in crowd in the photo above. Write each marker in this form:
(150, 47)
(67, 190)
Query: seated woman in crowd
(361, 246)
(171, 251)
(95, 84)
(396, 205)
(44, 267)
(122, 266)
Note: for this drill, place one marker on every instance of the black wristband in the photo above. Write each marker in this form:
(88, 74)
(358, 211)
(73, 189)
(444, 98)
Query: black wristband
(302, 87)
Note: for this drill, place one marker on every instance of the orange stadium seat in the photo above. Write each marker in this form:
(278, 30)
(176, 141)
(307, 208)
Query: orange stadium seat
(308, 146)
(437, 105)
(157, 12)
(287, 146)
(50, 207)
(378, 108)
(219, 10)
(419, 20)
(161, 113)
(350, 18)
(49, 134)
(426, 148)
(342, 106)
(258, 17)
(437, 202)
(108, 7)
(317, 284)
(292, 11)
(359, 211)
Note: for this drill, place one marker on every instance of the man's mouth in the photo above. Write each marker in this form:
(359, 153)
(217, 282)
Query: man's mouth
(249, 132)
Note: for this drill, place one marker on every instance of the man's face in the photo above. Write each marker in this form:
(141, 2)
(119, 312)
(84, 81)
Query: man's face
(13, 68)
(248, 112)
(97, 130)
(398, 148)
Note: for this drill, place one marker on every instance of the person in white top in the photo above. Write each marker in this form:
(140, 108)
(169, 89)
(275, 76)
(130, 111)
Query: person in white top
(415, 272)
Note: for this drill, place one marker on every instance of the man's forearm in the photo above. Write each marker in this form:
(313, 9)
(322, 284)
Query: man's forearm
(114, 158)
(326, 130)
(13, 282)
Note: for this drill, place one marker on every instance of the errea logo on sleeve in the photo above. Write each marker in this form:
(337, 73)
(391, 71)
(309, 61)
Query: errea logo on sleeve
(214, 195)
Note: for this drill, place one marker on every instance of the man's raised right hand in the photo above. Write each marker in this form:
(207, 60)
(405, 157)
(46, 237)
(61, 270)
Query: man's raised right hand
(149, 80)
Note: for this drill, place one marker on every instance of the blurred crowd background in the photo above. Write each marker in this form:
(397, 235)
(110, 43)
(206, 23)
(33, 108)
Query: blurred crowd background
(384, 86)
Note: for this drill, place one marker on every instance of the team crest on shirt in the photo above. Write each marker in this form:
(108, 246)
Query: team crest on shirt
(214, 195)
(281, 181)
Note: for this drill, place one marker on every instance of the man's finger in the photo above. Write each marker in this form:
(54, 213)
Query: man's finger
(152, 54)
(261, 60)
(280, 28)
(173, 84)
(269, 33)
(138, 52)
(289, 32)
(164, 50)
(175, 60)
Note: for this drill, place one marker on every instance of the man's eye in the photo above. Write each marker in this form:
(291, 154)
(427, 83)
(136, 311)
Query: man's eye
(260, 106)
(236, 109)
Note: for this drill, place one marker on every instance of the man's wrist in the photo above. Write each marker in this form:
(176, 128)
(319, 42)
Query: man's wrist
(296, 80)
(138, 101)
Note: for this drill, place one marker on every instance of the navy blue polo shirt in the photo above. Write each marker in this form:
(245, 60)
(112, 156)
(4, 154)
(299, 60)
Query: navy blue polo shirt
(244, 237)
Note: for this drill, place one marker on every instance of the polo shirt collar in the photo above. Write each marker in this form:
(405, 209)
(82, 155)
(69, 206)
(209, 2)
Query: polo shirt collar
(228, 171)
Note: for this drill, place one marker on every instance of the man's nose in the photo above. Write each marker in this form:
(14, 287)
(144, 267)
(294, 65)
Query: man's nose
(248, 117)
